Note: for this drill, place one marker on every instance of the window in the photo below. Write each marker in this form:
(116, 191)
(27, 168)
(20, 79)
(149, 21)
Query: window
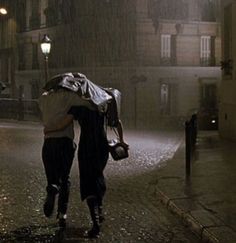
(207, 51)
(169, 96)
(20, 16)
(165, 46)
(53, 13)
(21, 57)
(35, 16)
(168, 9)
(209, 96)
(168, 49)
(228, 40)
(35, 89)
(165, 99)
(68, 11)
(5, 68)
(208, 10)
(35, 63)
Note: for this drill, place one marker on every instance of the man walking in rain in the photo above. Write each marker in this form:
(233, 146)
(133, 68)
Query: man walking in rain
(58, 149)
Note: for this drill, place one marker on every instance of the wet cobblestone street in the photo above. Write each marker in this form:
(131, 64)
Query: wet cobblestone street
(133, 211)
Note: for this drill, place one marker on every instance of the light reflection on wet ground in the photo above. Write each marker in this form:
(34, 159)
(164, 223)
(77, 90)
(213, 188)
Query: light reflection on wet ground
(148, 151)
(132, 212)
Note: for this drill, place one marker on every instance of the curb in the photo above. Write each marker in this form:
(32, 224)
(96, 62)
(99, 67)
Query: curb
(203, 232)
(210, 225)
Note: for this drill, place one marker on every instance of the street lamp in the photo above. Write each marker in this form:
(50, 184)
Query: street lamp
(46, 47)
(3, 11)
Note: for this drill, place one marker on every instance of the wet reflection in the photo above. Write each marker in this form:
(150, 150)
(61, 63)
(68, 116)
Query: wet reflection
(28, 234)
(44, 234)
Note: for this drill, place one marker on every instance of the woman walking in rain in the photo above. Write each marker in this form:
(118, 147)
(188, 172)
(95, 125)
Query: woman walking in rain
(92, 157)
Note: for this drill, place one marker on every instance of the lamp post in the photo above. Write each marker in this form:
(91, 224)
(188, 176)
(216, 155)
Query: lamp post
(46, 47)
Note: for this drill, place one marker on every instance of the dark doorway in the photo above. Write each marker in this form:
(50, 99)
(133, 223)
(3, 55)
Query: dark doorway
(208, 114)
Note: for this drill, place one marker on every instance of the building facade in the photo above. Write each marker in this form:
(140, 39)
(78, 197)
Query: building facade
(164, 55)
(7, 48)
(227, 114)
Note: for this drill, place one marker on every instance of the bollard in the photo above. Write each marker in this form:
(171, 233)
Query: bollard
(188, 147)
(194, 130)
(190, 141)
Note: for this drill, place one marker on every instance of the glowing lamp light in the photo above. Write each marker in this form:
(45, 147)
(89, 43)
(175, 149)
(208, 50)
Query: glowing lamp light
(3, 11)
(45, 45)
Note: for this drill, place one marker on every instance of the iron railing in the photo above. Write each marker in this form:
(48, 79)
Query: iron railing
(19, 109)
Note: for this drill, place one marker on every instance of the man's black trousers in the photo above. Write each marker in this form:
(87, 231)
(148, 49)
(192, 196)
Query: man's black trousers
(57, 155)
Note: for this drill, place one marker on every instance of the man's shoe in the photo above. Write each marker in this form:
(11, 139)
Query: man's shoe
(48, 206)
(94, 232)
(61, 220)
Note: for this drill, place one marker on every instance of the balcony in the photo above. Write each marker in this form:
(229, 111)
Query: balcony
(168, 61)
(207, 61)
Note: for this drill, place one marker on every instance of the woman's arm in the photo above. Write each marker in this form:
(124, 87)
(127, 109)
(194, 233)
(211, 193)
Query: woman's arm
(120, 133)
(62, 124)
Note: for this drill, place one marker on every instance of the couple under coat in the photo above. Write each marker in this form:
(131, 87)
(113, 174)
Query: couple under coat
(69, 97)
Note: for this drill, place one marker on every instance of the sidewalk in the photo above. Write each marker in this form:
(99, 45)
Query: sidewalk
(207, 201)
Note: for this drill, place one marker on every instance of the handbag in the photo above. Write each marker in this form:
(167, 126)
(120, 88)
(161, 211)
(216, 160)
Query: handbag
(117, 150)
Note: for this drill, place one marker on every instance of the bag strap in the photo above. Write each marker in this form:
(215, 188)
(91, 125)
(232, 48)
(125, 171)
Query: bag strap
(112, 128)
(116, 133)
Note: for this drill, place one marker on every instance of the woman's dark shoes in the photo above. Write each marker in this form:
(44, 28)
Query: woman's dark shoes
(94, 212)
(101, 219)
(94, 232)
(100, 215)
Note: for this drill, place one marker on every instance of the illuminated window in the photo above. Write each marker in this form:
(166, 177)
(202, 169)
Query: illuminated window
(207, 50)
(165, 46)
(168, 49)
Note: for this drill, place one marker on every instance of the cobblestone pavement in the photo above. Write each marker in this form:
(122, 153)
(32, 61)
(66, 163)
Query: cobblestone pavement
(133, 211)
